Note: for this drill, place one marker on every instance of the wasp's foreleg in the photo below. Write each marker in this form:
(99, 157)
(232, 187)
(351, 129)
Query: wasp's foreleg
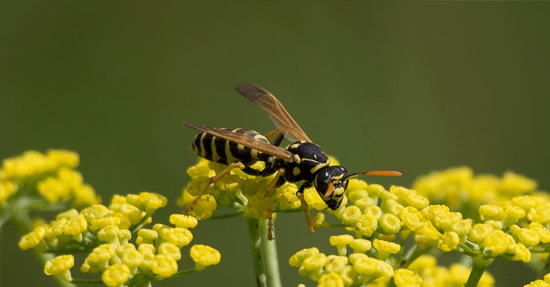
(300, 195)
(270, 188)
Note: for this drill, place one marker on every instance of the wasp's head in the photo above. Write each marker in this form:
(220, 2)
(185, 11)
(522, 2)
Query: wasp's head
(331, 184)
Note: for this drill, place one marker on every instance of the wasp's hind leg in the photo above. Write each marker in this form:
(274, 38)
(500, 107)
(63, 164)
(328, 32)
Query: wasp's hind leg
(279, 139)
(212, 180)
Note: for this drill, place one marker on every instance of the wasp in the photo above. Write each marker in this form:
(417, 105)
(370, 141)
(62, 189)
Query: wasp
(302, 160)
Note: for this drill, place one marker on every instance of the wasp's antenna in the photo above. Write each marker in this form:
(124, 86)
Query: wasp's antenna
(373, 173)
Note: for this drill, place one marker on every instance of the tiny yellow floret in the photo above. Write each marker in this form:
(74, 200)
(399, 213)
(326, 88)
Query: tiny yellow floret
(116, 275)
(331, 279)
(183, 221)
(204, 256)
(385, 248)
(164, 265)
(60, 266)
(341, 241)
(406, 278)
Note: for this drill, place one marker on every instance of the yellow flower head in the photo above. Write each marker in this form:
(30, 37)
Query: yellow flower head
(113, 234)
(116, 275)
(51, 175)
(164, 265)
(297, 259)
(360, 245)
(183, 221)
(6, 190)
(350, 215)
(33, 238)
(369, 268)
(60, 266)
(405, 277)
(169, 249)
(499, 242)
(146, 236)
(318, 220)
(204, 256)
(448, 241)
(366, 225)
(427, 235)
(133, 259)
(515, 184)
(336, 263)
(389, 223)
(312, 266)
(341, 241)
(177, 235)
(204, 208)
(331, 279)
(385, 248)
(101, 255)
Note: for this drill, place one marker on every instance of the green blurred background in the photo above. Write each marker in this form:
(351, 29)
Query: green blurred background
(413, 87)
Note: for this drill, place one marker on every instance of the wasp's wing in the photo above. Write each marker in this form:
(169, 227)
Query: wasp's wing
(246, 141)
(267, 101)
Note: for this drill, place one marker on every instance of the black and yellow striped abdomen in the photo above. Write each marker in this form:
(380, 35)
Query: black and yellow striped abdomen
(223, 151)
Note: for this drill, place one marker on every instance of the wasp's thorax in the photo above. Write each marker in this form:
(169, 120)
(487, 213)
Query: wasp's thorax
(308, 159)
(331, 184)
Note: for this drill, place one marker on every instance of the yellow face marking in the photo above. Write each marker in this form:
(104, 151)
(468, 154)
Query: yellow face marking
(339, 191)
(338, 177)
(296, 171)
(240, 146)
(297, 159)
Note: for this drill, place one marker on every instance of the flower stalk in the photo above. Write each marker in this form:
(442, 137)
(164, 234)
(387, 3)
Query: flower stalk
(478, 269)
(264, 254)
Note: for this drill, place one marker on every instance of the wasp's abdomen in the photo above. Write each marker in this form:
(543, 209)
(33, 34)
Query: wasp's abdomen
(224, 151)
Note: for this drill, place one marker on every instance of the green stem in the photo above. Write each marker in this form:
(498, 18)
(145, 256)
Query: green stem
(271, 262)
(5, 216)
(87, 281)
(255, 242)
(478, 269)
(545, 270)
(21, 218)
(264, 254)
(414, 253)
(228, 215)
(184, 272)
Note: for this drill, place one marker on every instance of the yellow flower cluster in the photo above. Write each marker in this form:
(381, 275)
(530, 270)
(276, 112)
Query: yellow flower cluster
(512, 217)
(158, 250)
(463, 191)
(106, 232)
(540, 283)
(373, 211)
(60, 266)
(340, 270)
(240, 191)
(51, 175)
(73, 229)
(377, 217)
(434, 276)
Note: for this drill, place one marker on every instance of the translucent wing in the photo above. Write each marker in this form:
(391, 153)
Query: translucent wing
(267, 101)
(246, 141)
